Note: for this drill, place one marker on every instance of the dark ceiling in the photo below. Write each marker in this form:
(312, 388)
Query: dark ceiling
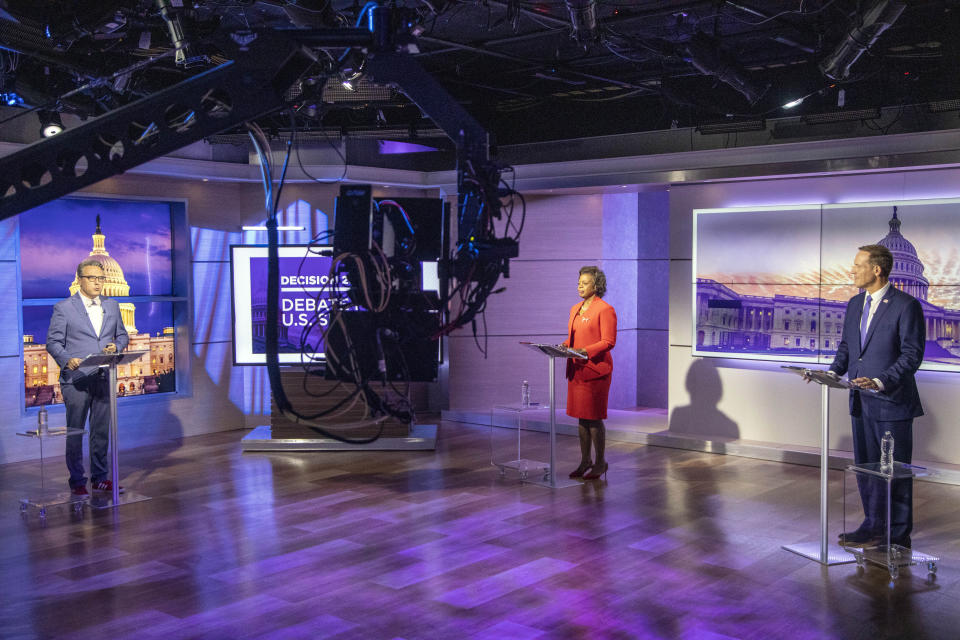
(529, 71)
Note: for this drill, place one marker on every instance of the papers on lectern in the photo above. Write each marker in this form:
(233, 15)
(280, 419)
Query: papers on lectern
(555, 350)
(828, 378)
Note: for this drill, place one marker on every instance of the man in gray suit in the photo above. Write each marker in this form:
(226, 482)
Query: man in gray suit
(82, 325)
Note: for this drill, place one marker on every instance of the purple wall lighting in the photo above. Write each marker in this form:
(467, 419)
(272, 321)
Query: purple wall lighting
(394, 147)
(772, 283)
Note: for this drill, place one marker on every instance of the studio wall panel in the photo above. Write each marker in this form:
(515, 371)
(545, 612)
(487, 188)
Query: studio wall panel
(537, 299)
(653, 300)
(623, 384)
(479, 383)
(10, 340)
(622, 288)
(653, 241)
(653, 354)
(681, 302)
(12, 446)
(8, 239)
(212, 315)
(563, 228)
(212, 245)
(620, 226)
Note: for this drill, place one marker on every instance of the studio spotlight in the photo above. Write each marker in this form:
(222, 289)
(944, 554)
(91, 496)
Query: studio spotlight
(351, 72)
(794, 103)
(50, 123)
(705, 54)
(873, 22)
(583, 20)
(184, 54)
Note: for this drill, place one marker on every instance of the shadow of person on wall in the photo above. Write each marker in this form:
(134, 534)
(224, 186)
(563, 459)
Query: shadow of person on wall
(701, 416)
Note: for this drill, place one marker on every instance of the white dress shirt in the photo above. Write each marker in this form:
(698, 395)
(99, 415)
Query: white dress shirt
(94, 311)
(875, 299)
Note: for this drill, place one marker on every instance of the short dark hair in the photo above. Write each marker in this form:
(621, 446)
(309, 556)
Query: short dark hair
(881, 257)
(599, 279)
(89, 262)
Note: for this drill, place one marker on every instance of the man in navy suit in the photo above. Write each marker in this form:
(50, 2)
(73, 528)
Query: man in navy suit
(82, 325)
(881, 348)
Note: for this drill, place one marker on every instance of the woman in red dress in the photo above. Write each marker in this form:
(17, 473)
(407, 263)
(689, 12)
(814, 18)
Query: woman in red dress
(592, 331)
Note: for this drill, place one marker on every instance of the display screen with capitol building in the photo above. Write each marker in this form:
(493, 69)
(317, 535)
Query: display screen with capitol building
(132, 240)
(773, 283)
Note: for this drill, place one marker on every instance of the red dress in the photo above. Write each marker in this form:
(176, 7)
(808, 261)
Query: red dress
(589, 380)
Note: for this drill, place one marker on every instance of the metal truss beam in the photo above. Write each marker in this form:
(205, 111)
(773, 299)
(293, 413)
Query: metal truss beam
(251, 85)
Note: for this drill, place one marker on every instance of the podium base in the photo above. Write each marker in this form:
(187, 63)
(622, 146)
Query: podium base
(46, 500)
(105, 501)
(524, 467)
(811, 550)
(544, 481)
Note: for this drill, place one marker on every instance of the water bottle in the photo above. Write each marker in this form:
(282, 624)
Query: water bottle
(886, 453)
(525, 394)
(42, 420)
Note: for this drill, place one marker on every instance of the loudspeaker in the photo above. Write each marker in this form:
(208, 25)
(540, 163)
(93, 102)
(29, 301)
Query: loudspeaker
(353, 219)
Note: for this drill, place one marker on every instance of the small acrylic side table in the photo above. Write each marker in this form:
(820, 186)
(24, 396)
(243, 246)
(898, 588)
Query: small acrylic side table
(503, 417)
(50, 497)
(885, 554)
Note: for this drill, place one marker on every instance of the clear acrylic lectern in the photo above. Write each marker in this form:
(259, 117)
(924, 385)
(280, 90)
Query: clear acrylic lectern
(553, 351)
(111, 361)
(824, 552)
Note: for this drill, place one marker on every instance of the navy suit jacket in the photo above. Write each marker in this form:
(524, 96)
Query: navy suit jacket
(71, 334)
(892, 352)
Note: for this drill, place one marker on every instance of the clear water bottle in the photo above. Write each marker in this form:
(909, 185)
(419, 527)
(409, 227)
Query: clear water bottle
(525, 394)
(42, 420)
(886, 453)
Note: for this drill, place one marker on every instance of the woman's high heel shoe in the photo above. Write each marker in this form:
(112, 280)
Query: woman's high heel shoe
(579, 471)
(596, 472)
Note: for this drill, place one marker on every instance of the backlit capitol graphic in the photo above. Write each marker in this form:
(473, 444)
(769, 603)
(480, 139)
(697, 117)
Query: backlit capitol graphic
(146, 375)
(739, 324)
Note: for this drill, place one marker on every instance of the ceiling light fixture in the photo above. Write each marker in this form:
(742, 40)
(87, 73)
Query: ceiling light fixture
(583, 21)
(352, 70)
(183, 53)
(707, 57)
(872, 22)
(50, 123)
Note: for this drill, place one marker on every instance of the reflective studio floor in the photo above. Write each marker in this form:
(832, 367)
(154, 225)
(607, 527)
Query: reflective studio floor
(674, 544)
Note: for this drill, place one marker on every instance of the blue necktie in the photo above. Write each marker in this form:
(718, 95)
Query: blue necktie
(863, 320)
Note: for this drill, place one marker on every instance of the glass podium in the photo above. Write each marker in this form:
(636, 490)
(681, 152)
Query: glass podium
(883, 552)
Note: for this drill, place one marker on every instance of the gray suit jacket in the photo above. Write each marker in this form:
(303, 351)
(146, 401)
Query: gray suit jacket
(71, 334)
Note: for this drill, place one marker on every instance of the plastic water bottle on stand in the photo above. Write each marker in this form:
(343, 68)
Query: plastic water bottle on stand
(525, 395)
(42, 420)
(886, 453)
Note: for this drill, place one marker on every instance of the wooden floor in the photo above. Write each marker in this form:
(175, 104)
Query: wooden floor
(676, 544)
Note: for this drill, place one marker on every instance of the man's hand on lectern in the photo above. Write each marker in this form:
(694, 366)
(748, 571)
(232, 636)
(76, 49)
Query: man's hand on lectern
(110, 348)
(73, 363)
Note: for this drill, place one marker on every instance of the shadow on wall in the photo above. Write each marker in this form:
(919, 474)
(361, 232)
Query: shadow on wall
(701, 416)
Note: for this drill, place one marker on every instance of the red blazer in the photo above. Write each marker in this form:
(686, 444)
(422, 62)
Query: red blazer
(596, 331)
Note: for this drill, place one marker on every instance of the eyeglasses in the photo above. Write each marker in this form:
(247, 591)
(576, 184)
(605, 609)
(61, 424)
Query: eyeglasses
(96, 278)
